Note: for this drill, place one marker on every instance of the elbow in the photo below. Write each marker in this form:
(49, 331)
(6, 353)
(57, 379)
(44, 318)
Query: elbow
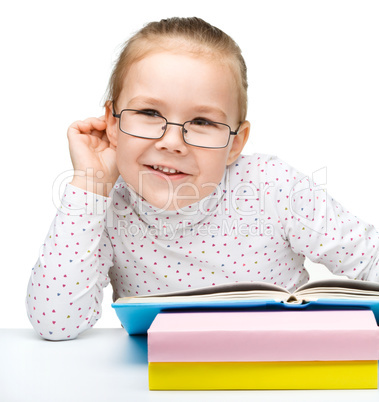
(52, 332)
(51, 336)
(50, 329)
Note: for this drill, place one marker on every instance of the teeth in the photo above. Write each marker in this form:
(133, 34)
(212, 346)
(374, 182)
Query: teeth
(165, 169)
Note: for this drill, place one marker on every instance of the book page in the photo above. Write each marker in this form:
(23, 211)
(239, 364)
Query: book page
(227, 291)
(328, 288)
(338, 288)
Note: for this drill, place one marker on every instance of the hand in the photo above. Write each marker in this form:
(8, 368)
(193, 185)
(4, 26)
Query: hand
(92, 155)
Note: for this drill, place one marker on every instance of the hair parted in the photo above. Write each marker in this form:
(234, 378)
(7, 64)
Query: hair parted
(197, 35)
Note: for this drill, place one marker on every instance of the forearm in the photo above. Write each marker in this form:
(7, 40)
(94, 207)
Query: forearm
(90, 185)
(65, 288)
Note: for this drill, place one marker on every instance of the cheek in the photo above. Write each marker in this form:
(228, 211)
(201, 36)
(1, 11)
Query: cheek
(127, 149)
(214, 163)
(121, 154)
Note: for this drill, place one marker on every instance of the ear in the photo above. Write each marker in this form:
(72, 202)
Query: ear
(239, 142)
(112, 124)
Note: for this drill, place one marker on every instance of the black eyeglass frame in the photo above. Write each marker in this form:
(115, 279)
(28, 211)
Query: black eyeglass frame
(173, 124)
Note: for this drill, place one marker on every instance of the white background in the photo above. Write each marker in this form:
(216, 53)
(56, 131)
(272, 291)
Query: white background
(313, 101)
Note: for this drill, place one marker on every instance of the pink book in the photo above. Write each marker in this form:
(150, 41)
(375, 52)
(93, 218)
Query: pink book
(263, 336)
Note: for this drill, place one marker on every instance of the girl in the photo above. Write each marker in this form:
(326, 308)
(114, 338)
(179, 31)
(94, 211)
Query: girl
(163, 200)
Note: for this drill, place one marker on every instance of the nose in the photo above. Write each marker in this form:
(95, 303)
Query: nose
(172, 140)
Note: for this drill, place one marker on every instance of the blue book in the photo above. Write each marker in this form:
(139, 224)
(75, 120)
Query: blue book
(137, 313)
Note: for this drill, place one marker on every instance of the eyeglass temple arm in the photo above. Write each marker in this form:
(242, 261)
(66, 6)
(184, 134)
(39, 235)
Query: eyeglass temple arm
(114, 112)
(235, 132)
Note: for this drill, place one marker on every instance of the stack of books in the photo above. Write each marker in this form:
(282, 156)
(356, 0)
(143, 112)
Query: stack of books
(295, 349)
(138, 312)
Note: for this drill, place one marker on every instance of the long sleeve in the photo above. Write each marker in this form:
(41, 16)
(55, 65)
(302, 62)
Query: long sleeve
(65, 289)
(320, 228)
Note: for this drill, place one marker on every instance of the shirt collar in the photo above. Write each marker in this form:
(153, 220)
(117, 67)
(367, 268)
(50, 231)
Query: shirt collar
(171, 223)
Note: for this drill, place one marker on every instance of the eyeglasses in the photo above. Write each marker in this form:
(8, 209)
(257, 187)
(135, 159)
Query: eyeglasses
(151, 125)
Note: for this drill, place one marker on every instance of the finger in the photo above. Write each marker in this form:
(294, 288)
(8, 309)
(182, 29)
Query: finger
(78, 127)
(104, 137)
(88, 126)
(96, 123)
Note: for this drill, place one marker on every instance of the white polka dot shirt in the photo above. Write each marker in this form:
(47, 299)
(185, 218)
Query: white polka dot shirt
(259, 225)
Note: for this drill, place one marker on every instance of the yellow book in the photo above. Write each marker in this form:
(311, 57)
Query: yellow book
(355, 374)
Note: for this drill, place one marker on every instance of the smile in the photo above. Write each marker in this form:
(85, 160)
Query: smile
(165, 169)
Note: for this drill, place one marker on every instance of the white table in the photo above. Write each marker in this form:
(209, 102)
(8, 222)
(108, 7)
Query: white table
(108, 365)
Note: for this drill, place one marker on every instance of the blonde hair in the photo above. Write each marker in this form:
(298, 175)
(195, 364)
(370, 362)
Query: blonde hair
(198, 36)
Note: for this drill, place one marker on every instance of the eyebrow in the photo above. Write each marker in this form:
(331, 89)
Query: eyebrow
(212, 110)
(145, 100)
(151, 101)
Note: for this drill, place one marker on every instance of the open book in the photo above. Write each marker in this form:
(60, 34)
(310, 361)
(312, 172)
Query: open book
(137, 313)
(331, 288)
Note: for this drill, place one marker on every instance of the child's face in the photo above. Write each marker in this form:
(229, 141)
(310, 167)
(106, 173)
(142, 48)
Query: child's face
(179, 87)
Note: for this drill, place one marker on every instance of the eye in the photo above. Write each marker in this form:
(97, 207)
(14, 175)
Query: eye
(150, 112)
(202, 122)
